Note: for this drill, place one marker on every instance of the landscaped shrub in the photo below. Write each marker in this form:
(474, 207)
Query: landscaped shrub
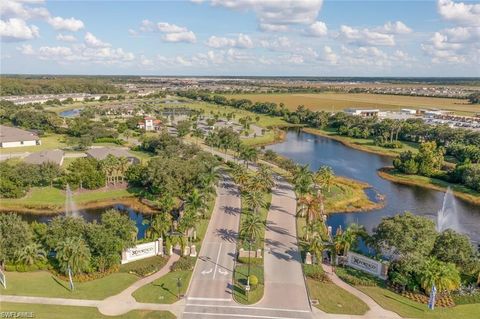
(145, 266)
(356, 277)
(253, 280)
(184, 263)
(253, 261)
(315, 272)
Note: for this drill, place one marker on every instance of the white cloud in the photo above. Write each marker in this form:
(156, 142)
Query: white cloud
(66, 37)
(277, 44)
(242, 41)
(397, 27)
(15, 29)
(188, 36)
(26, 49)
(171, 32)
(275, 15)
(70, 24)
(459, 12)
(17, 9)
(94, 42)
(317, 29)
(365, 37)
(329, 55)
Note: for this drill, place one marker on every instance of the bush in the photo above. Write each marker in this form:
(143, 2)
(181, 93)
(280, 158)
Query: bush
(356, 277)
(253, 280)
(145, 266)
(183, 264)
(253, 261)
(466, 299)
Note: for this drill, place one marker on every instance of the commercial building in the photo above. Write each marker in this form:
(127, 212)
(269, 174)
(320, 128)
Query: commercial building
(15, 137)
(363, 112)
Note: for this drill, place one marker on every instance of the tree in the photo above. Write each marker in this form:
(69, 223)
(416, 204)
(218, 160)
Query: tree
(61, 227)
(444, 276)
(316, 246)
(183, 128)
(252, 227)
(324, 178)
(30, 254)
(311, 206)
(73, 253)
(453, 247)
(248, 154)
(194, 203)
(16, 234)
(159, 226)
(254, 200)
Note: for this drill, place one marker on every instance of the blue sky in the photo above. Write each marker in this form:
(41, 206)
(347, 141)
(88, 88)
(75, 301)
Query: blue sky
(241, 37)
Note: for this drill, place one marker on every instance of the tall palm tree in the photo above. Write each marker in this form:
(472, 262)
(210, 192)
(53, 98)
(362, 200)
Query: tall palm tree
(316, 247)
(324, 178)
(122, 164)
(30, 254)
(252, 227)
(303, 182)
(444, 276)
(195, 203)
(159, 226)
(265, 175)
(248, 154)
(73, 253)
(254, 200)
(311, 207)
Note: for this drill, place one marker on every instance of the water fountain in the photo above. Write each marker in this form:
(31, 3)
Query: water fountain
(71, 209)
(447, 217)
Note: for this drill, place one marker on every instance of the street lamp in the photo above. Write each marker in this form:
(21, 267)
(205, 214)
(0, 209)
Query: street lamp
(247, 288)
(179, 285)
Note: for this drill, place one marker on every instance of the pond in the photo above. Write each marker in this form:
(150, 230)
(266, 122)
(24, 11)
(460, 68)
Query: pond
(305, 148)
(70, 113)
(91, 215)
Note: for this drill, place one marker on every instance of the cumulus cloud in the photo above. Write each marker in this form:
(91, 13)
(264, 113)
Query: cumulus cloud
(66, 37)
(15, 29)
(171, 32)
(459, 12)
(276, 15)
(317, 29)
(70, 24)
(365, 37)
(277, 44)
(94, 42)
(242, 41)
(397, 27)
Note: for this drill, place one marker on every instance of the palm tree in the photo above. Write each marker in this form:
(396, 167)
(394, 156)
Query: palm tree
(316, 247)
(252, 227)
(188, 221)
(265, 175)
(315, 229)
(324, 178)
(302, 180)
(254, 200)
(159, 226)
(122, 164)
(194, 202)
(444, 276)
(311, 207)
(248, 154)
(30, 254)
(73, 253)
(241, 176)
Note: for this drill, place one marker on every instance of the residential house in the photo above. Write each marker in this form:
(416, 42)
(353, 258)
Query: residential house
(15, 137)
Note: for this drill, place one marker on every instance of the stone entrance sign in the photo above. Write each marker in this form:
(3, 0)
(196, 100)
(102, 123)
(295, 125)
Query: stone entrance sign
(142, 251)
(367, 265)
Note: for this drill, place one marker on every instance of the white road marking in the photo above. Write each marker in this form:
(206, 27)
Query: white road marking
(209, 299)
(247, 307)
(204, 272)
(235, 315)
(218, 258)
(223, 272)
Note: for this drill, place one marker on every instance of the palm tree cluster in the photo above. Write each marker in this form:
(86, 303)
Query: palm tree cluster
(114, 168)
(444, 276)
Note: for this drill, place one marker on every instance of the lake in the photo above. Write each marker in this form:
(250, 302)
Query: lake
(305, 148)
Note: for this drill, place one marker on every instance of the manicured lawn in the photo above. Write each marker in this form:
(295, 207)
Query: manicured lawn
(44, 284)
(333, 299)
(164, 290)
(411, 309)
(51, 196)
(240, 281)
(70, 312)
(50, 141)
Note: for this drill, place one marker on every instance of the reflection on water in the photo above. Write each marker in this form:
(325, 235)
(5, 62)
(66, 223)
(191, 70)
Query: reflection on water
(316, 151)
(91, 215)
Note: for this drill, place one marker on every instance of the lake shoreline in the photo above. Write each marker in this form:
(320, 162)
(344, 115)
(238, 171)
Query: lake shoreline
(389, 173)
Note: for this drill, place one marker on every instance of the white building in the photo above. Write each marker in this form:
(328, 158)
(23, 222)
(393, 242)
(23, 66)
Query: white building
(149, 124)
(363, 112)
(15, 137)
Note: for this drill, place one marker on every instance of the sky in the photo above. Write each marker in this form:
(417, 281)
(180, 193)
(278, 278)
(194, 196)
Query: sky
(241, 37)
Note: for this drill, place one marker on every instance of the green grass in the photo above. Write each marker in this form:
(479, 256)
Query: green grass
(51, 196)
(44, 284)
(70, 312)
(240, 281)
(164, 290)
(333, 299)
(411, 309)
(50, 141)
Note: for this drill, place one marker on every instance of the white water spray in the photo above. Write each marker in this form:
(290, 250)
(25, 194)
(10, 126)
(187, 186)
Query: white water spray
(71, 209)
(447, 217)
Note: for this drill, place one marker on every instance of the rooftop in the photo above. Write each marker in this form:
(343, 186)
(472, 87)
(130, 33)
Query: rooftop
(13, 134)
(52, 156)
(101, 153)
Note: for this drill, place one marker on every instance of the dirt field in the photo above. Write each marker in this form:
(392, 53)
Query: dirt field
(340, 101)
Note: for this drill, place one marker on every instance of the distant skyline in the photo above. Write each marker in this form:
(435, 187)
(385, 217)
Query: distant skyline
(242, 38)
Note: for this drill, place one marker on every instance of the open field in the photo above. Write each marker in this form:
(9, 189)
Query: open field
(340, 101)
(333, 299)
(411, 309)
(45, 284)
(70, 312)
